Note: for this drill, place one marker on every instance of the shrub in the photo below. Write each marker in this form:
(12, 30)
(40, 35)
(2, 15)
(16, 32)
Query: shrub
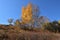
(53, 26)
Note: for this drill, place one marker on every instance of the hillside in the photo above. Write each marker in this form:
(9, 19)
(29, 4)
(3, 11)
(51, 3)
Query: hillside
(8, 32)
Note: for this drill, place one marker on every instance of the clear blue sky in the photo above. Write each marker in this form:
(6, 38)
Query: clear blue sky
(12, 9)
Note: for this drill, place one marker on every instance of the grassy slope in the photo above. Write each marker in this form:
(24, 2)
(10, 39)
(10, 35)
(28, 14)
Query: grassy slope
(14, 33)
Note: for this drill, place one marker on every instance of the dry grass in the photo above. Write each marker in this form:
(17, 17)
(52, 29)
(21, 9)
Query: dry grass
(13, 33)
(28, 36)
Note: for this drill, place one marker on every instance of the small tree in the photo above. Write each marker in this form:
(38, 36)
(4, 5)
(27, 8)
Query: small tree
(17, 22)
(10, 21)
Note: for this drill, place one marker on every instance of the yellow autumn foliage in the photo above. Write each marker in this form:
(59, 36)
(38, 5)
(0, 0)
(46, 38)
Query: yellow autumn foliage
(27, 13)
